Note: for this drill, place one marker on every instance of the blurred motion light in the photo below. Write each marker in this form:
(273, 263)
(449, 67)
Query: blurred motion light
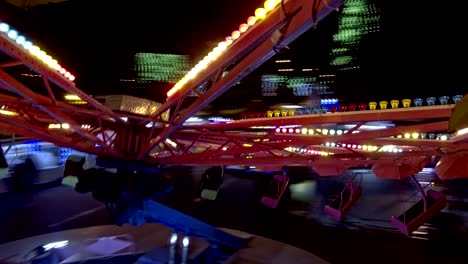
(52, 245)
(33, 49)
(462, 131)
(8, 112)
(72, 97)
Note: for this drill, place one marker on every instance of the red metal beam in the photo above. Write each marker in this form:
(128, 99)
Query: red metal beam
(17, 52)
(299, 139)
(399, 114)
(39, 101)
(10, 64)
(299, 23)
(33, 132)
(248, 41)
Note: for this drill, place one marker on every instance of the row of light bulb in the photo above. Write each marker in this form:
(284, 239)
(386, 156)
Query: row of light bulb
(387, 148)
(333, 132)
(59, 126)
(311, 131)
(416, 135)
(307, 151)
(34, 50)
(260, 13)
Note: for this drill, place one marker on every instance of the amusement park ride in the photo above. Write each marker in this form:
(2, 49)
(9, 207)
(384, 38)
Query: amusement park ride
(416, 133)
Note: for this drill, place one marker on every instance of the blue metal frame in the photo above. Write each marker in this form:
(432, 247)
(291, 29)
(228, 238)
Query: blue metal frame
(151, 211)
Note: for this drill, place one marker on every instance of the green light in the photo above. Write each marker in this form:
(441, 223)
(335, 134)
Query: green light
(358, 18)
(160, 67)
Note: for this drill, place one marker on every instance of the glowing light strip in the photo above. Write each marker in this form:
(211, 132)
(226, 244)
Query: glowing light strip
(22, 41)
(260, 13)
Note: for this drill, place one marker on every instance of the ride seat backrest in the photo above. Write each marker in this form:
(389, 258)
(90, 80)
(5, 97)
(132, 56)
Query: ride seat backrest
(3, 161)
(416, 210)
(274, 188)
(212, 178)
(342, 199)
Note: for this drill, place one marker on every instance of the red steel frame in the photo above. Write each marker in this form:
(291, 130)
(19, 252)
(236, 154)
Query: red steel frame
(214, 144)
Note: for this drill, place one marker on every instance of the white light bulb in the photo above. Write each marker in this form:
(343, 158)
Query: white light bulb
(13, 34)
(27, 45)
(173, 240)
(20, 40)
(185, 242)
(4, 27)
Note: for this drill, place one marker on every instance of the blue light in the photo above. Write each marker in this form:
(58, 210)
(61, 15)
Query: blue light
(329, 101)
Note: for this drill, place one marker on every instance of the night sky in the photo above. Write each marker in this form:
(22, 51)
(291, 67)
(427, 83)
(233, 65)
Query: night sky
(420, 50)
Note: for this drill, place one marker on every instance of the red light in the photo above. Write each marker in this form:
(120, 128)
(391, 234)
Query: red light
(352, 107)
(362, 106)
(343, 108)
(333, 108)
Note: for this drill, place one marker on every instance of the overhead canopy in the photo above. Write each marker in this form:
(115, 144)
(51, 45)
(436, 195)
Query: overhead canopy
(401, 168)
(453, 166)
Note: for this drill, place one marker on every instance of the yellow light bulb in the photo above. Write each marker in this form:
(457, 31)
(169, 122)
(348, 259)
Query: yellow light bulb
(269, 5)
(228, 40)
(251, 20)
(260, 13)
(222, 45)
(235, 34)
(243, 27)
